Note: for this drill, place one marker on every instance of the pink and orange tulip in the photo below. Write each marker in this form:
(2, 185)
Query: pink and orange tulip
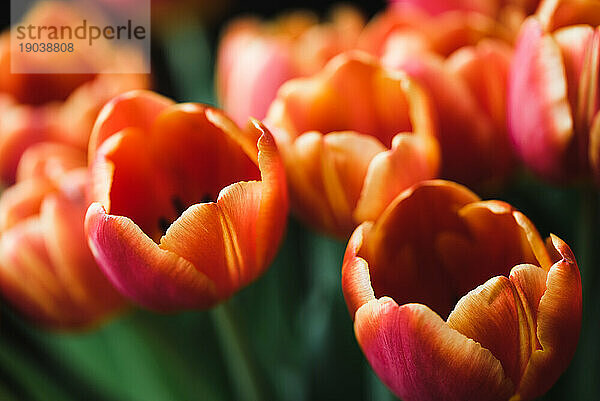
(462, 59)
(56, 107)
(353, 137)
(255, 58)
(553, 93)
(46, 268)
(456, 298)
(188, 207)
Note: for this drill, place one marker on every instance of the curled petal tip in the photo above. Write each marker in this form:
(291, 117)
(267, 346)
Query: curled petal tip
(563, 249)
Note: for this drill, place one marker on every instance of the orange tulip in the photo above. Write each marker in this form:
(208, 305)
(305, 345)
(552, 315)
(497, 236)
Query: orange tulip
(462, 59)
(256, 57)
(456, 298)
(46, 268)
(353, 137)
(189, 208)
(56, 107)
(555, 74)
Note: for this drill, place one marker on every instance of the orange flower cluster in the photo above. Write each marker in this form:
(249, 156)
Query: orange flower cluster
(125, 194)
(457, 60)
(452, 297)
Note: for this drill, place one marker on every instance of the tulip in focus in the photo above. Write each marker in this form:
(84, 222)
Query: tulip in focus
(189, 208)
(462, 59)
(256, 57)
(553, 94)
(455, 298)
(46, 268)
(353, 137)
(56, 107)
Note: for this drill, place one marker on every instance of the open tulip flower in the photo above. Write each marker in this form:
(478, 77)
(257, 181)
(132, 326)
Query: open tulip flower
(46, 268)
(555, 75)
(353, 137)
(56, 107)
(256, 57)
(189, 208)
(462, 59)
(454, 298)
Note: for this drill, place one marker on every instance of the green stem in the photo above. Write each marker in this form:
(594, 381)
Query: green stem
(241, 368)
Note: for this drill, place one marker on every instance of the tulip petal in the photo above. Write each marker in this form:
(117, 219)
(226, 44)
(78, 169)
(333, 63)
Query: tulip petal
(62, 218)
(252, 84)
(21, 127)
(574, 42)
(401, 262)
(556, 14)
(49, 160)
(274, 204)
(22, 200)
(202, 236)
(153, 277)
(352, 93)
(28, 278)
(496, 237)
(197, 156)
(558, 324)
(305, 184)
(484, 68)
(127, 183)
(466, 133)
(413, 158)
(419, 357)
(138, 108)
(230, 239)
(345, 160)
(542, 130)
(491, 316)
(356, 280)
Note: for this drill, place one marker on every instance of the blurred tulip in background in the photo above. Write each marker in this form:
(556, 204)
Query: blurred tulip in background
(553, 94)
(57, 107)
(46, 268)
(509, 12)
(353, 137)
(255, 57)
(462, 59)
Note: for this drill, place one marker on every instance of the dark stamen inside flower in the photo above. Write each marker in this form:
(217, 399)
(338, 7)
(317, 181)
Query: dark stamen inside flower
(163, 224)
(178, 205)
(187, 162)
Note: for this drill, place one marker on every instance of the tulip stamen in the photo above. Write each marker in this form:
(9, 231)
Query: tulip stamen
(163, 224)
(207, 198)
(178, 205)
